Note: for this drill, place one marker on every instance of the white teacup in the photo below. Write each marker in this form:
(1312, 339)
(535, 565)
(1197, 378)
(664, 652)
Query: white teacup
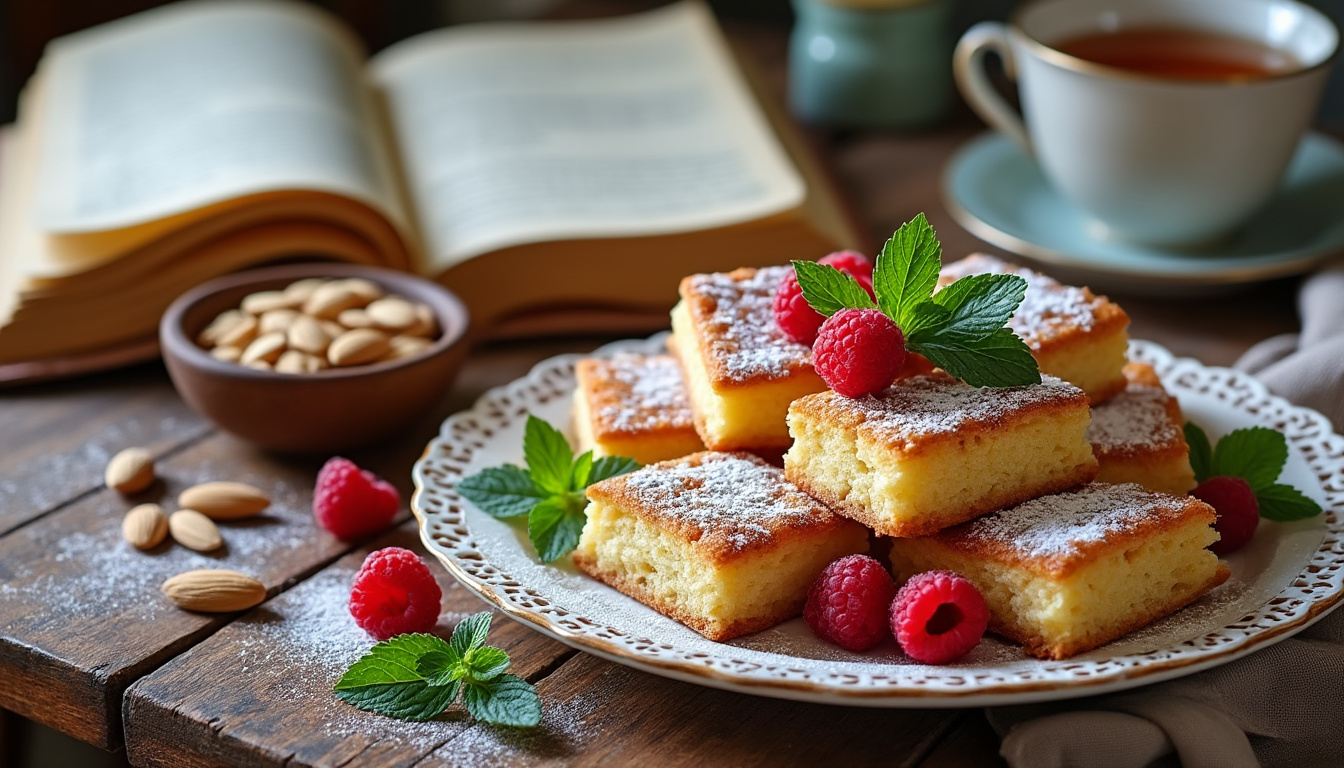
(1155, 160)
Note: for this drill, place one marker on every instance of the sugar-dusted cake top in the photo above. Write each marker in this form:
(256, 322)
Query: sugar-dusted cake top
(1141, 419)
(727, 504)
(635, 394)
(1056, 534)
(1050, 309)
(733, 316)
(923, 409)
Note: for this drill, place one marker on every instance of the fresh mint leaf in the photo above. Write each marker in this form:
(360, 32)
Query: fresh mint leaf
(502, 492)
(610, 466)
(469, 634)
(549, 458)
(907, 270)
(441, 667)
(925, 316)
(554, 526)
(487, 663)
(506, 700)
(581, 472)
(998, 360)
(979, 305)
(828, 290)
(1284, 503)
(1255, 454)
(1201, 453)
(387, 681)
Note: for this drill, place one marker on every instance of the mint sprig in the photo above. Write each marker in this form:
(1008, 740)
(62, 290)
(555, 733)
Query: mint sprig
(417, 677)
(1256, 455)
(549, 491)
(960, 329)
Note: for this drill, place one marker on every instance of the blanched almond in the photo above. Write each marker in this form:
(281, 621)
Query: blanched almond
(292, 361)
(223, 500)
(355, 318)
(260, 365)
(266, 348)
(219, 327)
(227, 354)
(392, 313)
(145, 526)
(315, 363)
(277, 320)
(407, 346)
(195, 531)
(240, 334)
(329, 300)
(214, 591)
(262, 302)
(299, 290)
(130, 471)
(332, 328)
(357, 347)
(366, 290)
(306, 335)
(425, 323)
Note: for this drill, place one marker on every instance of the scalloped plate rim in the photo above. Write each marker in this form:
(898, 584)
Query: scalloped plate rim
(1140, 674)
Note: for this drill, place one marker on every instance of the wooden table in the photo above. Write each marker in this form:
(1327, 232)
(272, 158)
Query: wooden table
(89, 647)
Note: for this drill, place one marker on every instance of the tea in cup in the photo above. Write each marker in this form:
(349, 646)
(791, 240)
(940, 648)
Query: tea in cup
(1168, 121)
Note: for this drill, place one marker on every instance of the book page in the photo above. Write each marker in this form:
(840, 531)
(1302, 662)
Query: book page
(639, 125)
(200, 102)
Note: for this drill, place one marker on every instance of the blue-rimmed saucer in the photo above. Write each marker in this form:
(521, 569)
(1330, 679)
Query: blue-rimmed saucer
(997, 192)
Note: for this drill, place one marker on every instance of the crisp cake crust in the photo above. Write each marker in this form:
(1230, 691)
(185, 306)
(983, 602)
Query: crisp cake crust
(1143, 421)
(733, 315)
(725, 505)
(631, 395)
(922, 411)
(1056, 535)
(1052, 314)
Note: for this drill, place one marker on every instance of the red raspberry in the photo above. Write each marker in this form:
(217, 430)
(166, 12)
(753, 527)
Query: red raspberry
(853, 262)
(351, 502)
(847, 604)
(395, 593)
(858, 352)
(1238, 511)
(938, 617)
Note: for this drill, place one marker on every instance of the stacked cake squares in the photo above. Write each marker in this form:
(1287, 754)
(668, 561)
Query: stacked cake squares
(992, 483)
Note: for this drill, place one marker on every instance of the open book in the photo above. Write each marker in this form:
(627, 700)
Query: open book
(535, 166)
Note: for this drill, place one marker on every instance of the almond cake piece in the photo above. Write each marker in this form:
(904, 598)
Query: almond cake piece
(1074, 334)
(633, 405)
(1137, 436)
(1064, 574)
(721, 542)
(930, 451)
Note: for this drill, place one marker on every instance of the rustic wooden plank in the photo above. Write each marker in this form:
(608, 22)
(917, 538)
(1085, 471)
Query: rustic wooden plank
(258, 692)
(598, 713)
(56, 438)
(971, 743)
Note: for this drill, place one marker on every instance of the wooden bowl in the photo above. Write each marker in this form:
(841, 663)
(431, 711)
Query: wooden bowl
(328, 411)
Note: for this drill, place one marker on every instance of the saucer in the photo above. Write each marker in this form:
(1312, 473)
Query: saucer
(998, 193)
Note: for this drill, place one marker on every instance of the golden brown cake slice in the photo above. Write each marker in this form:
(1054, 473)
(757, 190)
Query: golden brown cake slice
(930, 451)
(1137, 436)
(633, 405)
(1066, 573)
(741, 370)
(1073, 334)
(718, 541)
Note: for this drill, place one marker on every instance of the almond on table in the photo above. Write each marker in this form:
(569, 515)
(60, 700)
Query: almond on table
(130, 471)
(224, 500)
(214, 591)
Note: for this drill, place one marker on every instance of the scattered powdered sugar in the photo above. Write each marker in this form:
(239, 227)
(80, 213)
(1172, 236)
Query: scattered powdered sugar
(1059, 528)
(928, 405)
(1134, 420)
(740, 331)
(730, 500)
(652, 394)
(1049, 306)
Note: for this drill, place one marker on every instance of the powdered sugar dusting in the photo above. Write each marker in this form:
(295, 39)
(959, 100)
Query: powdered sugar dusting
(1133, 421)
(731, 500)
(930, 405)
(1049, 307)
(1061, 527)
(740, 328)
(649, 393)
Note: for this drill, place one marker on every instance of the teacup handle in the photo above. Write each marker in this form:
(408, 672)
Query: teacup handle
(968, 65)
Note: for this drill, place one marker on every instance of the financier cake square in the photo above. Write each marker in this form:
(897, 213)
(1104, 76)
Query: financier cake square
(741, 370)
(718, 541)
(1073, 334)
(1137, 436)
(1064, 574)
(930, 451)
(633, 405)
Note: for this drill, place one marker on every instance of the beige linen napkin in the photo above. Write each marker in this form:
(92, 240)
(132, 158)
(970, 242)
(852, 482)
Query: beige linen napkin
(1281, 706)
